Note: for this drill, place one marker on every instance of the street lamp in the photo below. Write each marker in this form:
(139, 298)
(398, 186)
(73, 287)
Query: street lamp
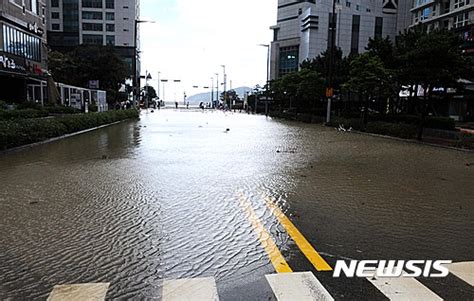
(266, 86)
(217, 87)
(212, 92)
(148, 77)
(225, 87)
(136, 73)
(330, 88)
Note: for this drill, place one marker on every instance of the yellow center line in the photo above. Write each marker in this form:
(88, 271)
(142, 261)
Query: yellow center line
(277, 260)
(306, 248)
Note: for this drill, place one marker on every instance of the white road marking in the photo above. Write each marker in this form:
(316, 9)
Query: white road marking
(79, 292)
(202, 289)
(463, 270)
(406, 289)
(303, 286)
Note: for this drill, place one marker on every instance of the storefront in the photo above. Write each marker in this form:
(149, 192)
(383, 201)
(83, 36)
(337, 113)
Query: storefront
(22, 59)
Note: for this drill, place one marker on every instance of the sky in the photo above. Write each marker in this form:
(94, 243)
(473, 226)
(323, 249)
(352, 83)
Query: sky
(190, 40)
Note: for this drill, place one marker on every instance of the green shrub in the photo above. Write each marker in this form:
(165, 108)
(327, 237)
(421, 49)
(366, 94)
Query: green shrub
(22, 114)
(401, 130)
(61, 110)
(443, 123)
(17, 132)
(28, 105)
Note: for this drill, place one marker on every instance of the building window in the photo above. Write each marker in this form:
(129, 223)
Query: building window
(92, 15)
(461, 20)
(92, 39)
(425, 14)
(355, 34)
(54, 15)
(348, 4)
(54, 3)
(288, 61)
(92, 26)
(34, 7)
(70, 16)
(110, 40)
(55, 26)
(110, 27)
(275, 34)
(110, 16)
(19, 43)
(92, 3)
(459, 3)
(357, 7)
(109, 3)
(378, 27)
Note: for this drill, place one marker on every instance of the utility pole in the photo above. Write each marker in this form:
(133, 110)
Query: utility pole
(212, 92)
(267, 83)
(330, 88)
(158, 88)
(225, 87)
(217, 87)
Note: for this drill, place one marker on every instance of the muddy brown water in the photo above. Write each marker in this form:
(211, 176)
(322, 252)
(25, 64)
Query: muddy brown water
(139, 202)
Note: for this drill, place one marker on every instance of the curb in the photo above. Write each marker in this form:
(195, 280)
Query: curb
(413, 141)
(31, 145)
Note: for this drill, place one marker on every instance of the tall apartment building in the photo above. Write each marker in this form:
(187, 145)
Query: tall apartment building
(22, 48)
(457, 15)
(96, 22)
(303, 29)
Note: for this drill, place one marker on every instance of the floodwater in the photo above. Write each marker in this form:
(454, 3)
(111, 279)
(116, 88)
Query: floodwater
(139, 202)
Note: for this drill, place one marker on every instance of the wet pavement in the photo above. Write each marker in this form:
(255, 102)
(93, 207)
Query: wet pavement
(136, 203)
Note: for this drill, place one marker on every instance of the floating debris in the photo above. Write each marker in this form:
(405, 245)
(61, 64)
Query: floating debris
(341, 128)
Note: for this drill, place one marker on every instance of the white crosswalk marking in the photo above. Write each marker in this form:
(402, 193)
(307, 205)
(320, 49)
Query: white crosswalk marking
(202, 289)
(79, 292)
(463, 270)
(406, 289)
(297, 286)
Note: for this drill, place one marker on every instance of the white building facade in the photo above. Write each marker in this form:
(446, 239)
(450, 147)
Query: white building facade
(96, 22)
(457, 15)
(103, 22)
(303, 29)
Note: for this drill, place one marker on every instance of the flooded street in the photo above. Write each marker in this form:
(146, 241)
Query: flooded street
(136, 203)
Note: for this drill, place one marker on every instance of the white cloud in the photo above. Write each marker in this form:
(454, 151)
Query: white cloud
(191, 39)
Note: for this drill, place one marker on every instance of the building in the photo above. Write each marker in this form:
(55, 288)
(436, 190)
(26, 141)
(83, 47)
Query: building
(457, 15)
(22, 50)
(303, 29)
(96, 22)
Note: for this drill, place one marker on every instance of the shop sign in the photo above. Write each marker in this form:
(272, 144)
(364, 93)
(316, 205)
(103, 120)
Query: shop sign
(7, 62)
(33, 27)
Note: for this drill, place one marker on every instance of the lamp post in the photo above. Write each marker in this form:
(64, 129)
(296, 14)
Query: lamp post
(225, 86)
(330, 88)
(164, 81)
(136, 72)
(148, 76)
(266, 86)
(217, 87)
(212, 92)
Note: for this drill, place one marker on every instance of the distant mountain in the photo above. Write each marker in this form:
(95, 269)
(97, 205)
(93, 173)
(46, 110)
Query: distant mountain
(206, 97)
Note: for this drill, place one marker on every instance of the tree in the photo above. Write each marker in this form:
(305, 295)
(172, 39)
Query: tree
(368, 77)
(383, 48)
(430, 60)
(231, 95)
(321, 65)
(90, 62)
(149, 91)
